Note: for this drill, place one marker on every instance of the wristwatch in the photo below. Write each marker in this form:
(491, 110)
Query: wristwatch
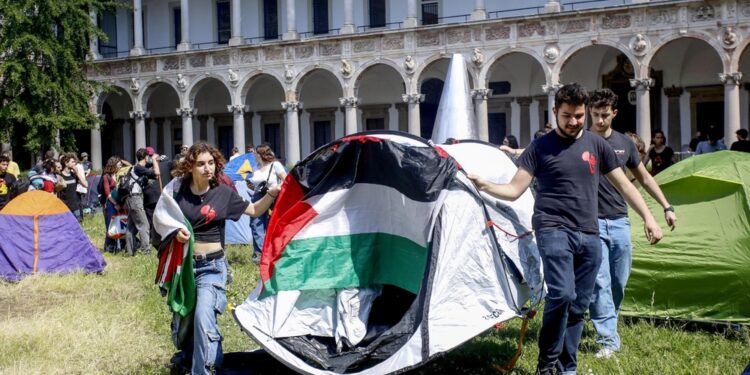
(669, 209)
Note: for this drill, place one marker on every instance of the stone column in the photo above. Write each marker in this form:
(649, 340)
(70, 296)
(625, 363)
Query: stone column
(187, 114)
(533, 118)
(153, 129)
(292, 109)
(515, 120)
(140, 128)
(305, 136)
(137, 29)
(480, 111)
(412, 19)
(350, 107)
(413, 101)
(338, 127)
(238, 126)
(185, 44)
(686, 128)
(551, 89)
(236, 38)
(673, 117)
(348, 26)
(744, 107)
(211, 131)
(256, 129)
(291, 22)
(166, 131)
(731, 83)
(643, 107)
(393, 118)
(480, 11)
(94, 42)
(524, 121)
(96, 145)
(127, 141)
(552, 6)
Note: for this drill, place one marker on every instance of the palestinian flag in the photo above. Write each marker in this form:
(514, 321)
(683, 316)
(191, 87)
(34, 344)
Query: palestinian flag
(355, 214)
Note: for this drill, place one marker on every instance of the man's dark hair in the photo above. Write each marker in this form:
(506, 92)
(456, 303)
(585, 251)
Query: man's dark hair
(141, 154)
(742, 133)
(4, 158)
(572, 94)
(603, 98)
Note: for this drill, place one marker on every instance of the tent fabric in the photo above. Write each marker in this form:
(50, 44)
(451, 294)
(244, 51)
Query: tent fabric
(361, 320)
(700, 271)
(239, 232)
(40, 234)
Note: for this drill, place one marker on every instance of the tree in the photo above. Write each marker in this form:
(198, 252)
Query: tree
(44, 57)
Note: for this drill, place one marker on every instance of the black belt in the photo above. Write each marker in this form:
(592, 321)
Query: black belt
(209, 256)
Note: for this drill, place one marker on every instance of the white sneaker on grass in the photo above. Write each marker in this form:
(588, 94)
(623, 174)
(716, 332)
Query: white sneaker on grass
(604, 353)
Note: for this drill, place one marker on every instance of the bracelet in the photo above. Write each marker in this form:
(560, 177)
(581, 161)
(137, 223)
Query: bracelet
(669, 209)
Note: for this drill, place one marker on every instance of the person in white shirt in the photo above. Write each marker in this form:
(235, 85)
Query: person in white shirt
(270, 173)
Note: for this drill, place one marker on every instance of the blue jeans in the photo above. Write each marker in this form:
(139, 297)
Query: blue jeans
(617, 254)
(205, 344)
(109, 211)
(571, 260)
(258, 226)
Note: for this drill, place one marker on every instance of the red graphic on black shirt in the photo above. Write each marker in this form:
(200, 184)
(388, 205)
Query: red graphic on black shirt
(591, 159)
(208, 212)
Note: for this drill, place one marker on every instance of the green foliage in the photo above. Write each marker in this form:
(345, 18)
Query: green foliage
(45, 57)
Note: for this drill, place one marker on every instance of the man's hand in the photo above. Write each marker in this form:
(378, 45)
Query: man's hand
(652, 231)
(671, 219)
(183, 236)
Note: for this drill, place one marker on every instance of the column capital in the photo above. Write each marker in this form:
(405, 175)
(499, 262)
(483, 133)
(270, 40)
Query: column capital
(349, 102)
(187, 112)
(524, 101)
(481, 94)
(731, 78)
(139, 115)
(642, 84)
(291, 106)
(673, 92)
(415, 98)
(551, 88)
(238, 109)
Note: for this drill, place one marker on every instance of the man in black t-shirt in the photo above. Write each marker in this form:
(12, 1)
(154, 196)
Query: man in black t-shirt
(6, 181)
(614, 225)
(568, 163)
(138, 221)
(742, 144)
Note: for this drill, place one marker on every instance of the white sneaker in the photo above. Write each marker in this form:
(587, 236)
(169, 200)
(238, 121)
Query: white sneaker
(604, 353)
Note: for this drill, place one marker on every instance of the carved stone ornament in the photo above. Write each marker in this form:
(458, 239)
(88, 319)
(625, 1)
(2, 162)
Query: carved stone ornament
(181, 82)
(639, 44)
(551, 89)
(233, 77)
(289, 73)
(349, 101)
(729, 37)
(409, 64)
(481, 94)
(731, 78)
(346, 68)
(135, 86)
(551, 53)
(186, 112)
(477, 57)
(291, 106)
(415, 98)
(642, 84)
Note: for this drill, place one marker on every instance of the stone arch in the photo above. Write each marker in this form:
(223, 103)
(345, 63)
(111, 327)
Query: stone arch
(372, 63)
(103, 96)
(247, 82)
(305, 73)
(195, 87)
(415, 84)
(664, 41)
(484, 74)
(574, 49)
(736, 60)
(150, 86)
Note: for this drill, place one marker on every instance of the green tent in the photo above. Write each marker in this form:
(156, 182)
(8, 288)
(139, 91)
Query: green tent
(701, 271)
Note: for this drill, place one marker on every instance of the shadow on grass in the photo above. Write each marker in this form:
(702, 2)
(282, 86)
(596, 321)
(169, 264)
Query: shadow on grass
(727, 330)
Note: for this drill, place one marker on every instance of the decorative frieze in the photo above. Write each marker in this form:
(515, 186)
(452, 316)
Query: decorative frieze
(303, 52)
(497, 32)
(575, 26)
(122, 68)
(616, 21)
(173, 63)
(330, 49)
(148, 66)
(428, 39)
(393, 43)
(526, 30)
(220, 59)
(249, 57)
(663, 17)
(274, 53)
(197, 61)
(745, 8)
(704, 12)
(363, 45)
(458, 36)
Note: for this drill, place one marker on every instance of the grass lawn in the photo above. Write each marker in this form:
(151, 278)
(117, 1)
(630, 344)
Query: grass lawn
(117, 323)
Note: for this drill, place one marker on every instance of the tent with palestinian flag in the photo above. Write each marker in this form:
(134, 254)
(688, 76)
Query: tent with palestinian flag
(381, 255)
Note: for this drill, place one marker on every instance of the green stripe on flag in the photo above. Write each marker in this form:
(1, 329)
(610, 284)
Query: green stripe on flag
(354, 260)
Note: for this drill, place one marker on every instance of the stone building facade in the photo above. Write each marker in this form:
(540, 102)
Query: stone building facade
(677, 65)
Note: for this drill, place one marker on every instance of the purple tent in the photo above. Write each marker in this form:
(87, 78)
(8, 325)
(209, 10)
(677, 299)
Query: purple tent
(40, 234)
